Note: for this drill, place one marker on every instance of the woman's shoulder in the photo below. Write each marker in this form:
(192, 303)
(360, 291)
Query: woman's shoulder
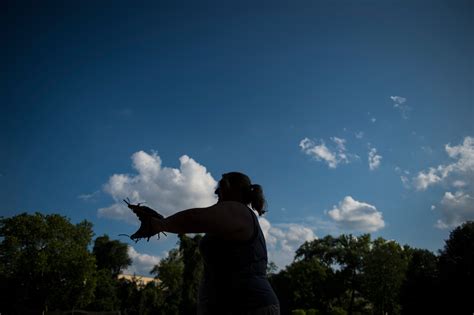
(238, 217)
(234, 206)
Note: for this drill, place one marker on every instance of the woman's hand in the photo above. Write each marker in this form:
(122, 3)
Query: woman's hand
(151, 222)
(157, 225)
(144, 212)
(149, 227)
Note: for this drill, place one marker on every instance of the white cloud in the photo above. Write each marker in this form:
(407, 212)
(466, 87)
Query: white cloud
(441, 225)
(354, 215)
(142, 264)
(455, 209)
(164, 189)
(320, 152)
(398, 99)
(284, 239)
(405, 181)
(374, 159)
(401, 171)
(340, 143)
(425, 179)
(464, 153)
(463, 166)
(459, 183)
(332, 156)
(373, 119)
(359, 134)
(89, 197)
(399, 103)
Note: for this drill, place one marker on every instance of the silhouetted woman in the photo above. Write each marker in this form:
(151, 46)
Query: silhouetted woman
(233, 249)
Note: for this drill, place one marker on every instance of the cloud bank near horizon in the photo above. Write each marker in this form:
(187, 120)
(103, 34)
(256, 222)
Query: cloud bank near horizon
(170, 190)
(457, 204)
(165, 189)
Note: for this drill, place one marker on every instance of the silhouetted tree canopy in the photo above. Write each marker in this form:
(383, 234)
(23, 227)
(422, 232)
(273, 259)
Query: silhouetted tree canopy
(111, 255)
(192, 272)
(45, 263)
(456, 270)
(105, 293)
(420, 287)
(384, 272)
(170, 272)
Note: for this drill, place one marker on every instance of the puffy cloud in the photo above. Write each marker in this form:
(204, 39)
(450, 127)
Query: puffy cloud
(142, 264)
(163, 188)
(283, 240)
(464, 153)
(374, 159)
(332, 156)
(320, 152)
(354, 215)
(455, 209)
(463, 166)
(399, 103)
(425, 179)
(359, 134)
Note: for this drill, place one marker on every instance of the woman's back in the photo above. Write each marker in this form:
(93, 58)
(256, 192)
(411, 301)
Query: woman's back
(235, 273)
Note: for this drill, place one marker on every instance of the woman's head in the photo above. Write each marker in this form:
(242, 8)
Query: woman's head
(236, 186)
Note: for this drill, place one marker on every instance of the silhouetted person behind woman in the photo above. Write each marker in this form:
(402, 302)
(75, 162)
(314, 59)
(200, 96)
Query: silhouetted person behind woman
(233, 248)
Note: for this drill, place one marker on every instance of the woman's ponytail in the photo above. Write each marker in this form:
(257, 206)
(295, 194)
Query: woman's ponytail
(247, 192)
(257, 199)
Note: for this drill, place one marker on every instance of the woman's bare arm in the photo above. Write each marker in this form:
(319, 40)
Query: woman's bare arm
(227, 218)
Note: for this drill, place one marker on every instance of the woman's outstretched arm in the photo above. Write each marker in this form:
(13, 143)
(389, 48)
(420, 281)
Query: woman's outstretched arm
(226, 218)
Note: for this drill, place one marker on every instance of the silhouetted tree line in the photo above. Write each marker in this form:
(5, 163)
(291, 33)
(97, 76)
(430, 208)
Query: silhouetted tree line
(48, 264)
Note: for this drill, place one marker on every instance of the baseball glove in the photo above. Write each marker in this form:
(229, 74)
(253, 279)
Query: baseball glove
(144, 214)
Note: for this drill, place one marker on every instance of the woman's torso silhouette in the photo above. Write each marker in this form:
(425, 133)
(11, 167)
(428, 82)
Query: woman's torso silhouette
(234, 280)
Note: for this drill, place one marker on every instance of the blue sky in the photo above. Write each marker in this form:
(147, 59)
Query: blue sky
(155, 101)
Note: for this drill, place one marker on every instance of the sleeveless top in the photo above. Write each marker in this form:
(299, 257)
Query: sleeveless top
(235, 273)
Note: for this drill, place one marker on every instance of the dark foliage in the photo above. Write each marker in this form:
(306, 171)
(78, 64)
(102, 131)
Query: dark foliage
(45, 264)
(456, 271)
